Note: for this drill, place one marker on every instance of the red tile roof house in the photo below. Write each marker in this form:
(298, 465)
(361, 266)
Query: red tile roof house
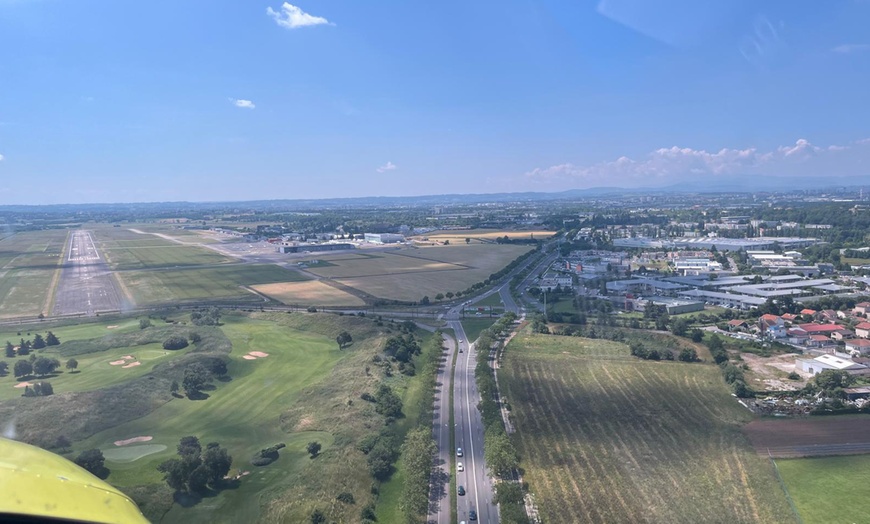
(789, 317)
(771, 326)
(797, 335)
(829, 315)
(859, 344)
(818, 341)
(736, 324)
(863, 330)
(820, 329)
(862, 308)
(809, 312)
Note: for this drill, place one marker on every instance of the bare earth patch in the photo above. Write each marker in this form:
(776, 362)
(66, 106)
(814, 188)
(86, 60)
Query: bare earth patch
(304, 424)
(258, 354)
(804, 437)
(112, 327)
(771, 370)
(145, 438)
(249, 357)
(22, 385)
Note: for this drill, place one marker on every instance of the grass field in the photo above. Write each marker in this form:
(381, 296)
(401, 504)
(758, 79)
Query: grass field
(28, 262)
(125, 249)
(473, 326)
(310, 293)
(828, 489)
(605, 437)
(245, 415)
(411, 273)
(486, 234)
(493, 300)
(218, 283)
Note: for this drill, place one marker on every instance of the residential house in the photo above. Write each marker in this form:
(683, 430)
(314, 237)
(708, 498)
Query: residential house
(858, 345)
(808, 312)
(789, 317)
(863, 330)
(828, 315)
(817, 341)
(842, 334)
(862, 308)
(771, 326)
(797, 335)
(737, 325)
(820, 329)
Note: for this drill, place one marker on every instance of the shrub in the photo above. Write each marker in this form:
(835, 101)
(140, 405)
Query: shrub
(175, 343)
(345, 497)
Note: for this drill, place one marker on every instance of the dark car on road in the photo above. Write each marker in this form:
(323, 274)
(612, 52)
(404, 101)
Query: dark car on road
(472, 515)
(461, 491)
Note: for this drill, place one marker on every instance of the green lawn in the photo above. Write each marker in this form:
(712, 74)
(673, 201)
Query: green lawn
(204, 284)
(493, 300)
(28, 261)
(124, 249)
(82, 331)
(828, 489)
(473, 326)
(242, 415)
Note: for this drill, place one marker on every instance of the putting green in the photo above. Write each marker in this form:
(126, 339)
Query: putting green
(132, 453)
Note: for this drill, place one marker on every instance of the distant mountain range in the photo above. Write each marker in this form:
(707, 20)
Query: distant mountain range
(719, 184)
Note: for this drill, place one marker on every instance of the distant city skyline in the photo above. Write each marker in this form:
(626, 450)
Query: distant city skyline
(229, 101)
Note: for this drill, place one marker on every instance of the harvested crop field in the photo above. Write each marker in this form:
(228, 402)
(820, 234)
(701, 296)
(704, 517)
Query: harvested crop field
(605, 437)
(411, 273)
(311, 293)
(811, 436)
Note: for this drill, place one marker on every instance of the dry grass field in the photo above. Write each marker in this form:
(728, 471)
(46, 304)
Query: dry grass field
(605, 437)
(310, 293)
(411, 273)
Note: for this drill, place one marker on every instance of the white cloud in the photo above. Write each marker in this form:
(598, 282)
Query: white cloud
(240, 102)
(850, 48)
(676, 163)
(389, 166)
(2, 157)
(292, 17)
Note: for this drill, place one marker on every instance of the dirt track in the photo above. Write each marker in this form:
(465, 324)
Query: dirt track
(804, 437)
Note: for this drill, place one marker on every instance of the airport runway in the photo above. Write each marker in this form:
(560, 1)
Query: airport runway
(86, 285)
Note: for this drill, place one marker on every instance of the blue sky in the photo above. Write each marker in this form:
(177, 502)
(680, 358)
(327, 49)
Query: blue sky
(228, 100)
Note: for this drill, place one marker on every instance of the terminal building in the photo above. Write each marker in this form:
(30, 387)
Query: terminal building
(304, 247)
(384, 238)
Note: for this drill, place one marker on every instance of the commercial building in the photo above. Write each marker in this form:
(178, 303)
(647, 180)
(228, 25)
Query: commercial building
(301, 247)
(384, 238)
(821, 363)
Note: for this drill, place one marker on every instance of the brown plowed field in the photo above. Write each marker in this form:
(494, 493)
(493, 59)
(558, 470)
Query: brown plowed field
(805, 437)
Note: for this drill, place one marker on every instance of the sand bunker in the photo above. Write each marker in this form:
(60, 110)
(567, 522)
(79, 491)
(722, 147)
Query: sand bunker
(132, 364)
(132, 440)
(258, 354)
(111, 327)
(249, 357)
(117, 362)
(22, 385)
(128, 357)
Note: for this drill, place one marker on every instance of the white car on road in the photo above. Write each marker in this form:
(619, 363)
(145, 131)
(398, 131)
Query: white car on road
(458, 452)
(459, 466)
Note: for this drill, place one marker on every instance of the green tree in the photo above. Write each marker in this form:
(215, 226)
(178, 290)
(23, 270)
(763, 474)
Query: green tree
(144, 323)
(317, 517)
(174, 473)
(439, 296)
(830, 379)
(43, 366)
(195, 378)
(72, 364)
(93, 461)
(343, 339)
(424, 301)
(173, 388)
(4, 368)
(417, 452)
(688, 355)
(175, 342)
(189, 447)
(313, 449)
(22, 368)
(62, 443)
(499, 454)
(38, 342)
(217, 463)
(387, 402)
(697, 335)
(51, 339)
(10, 350)
(23, 348)
(679, 327)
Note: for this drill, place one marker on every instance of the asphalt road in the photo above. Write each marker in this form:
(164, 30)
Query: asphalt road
(439, 497)
(86, 285)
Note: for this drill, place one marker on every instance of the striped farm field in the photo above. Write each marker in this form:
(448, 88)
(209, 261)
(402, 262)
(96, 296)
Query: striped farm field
(605, 437)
